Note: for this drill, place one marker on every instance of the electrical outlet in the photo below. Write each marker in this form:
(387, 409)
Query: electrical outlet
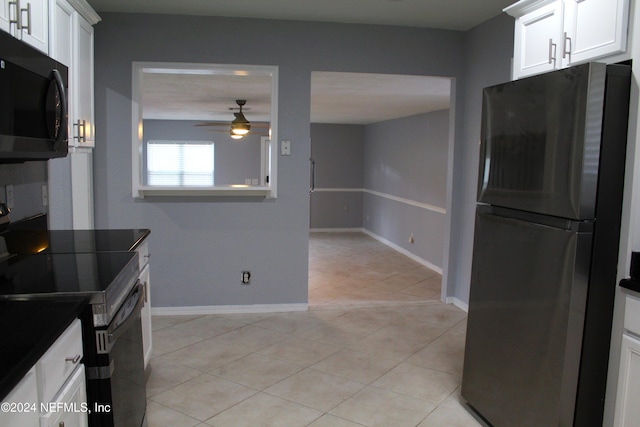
(246, 277)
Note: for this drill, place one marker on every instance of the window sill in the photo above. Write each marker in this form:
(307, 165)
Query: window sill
(142, 192)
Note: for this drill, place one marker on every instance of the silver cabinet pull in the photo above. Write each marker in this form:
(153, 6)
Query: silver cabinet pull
(552, 52)
(566, 52)
(16, 6)
(75, 359)
(81, 135)
(28, 26)
(145, 287)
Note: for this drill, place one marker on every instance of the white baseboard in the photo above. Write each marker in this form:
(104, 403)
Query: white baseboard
(458, 303)
(226, 309)
(389, 243)
(336, 230)
(403, 251)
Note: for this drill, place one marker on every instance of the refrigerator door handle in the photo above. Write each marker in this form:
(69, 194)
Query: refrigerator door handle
(312, 186)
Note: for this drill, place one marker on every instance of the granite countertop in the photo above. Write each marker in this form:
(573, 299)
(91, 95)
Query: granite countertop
(28, 329)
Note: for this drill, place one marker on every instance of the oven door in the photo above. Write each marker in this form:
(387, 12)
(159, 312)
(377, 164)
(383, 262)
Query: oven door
(116, 384)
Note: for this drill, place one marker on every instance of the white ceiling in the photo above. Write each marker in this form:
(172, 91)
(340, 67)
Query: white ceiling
(444, 14)
(357, 98)
(345, 98)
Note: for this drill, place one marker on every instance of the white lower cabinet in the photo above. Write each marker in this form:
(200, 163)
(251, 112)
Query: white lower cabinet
(54, 389)
(627, 408)
(145, 280)
(146, 316)
(68, 409)
(627, 411)
(26, 392)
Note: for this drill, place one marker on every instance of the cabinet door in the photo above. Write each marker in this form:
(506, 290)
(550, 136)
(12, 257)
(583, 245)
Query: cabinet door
(146, 315)
(24, 393)
(594, 28)
(60, 27)
(73, 395)
(536, 43)
(5, 15)
(627, 408)
(83, 79)
(34, 23)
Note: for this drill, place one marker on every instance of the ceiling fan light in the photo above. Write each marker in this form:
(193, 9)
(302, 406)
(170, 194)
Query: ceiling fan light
(239, 131)
(234, 135)
(240, 128)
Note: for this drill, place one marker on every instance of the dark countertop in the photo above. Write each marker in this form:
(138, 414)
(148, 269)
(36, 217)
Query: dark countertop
(28, 329)
(73, 241)
(631, 284)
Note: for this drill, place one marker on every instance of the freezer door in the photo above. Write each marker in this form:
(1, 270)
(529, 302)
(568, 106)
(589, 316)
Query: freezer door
(540, 142)
(525, 322)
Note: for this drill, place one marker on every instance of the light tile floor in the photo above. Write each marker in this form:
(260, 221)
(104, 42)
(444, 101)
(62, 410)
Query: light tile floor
(380, 350)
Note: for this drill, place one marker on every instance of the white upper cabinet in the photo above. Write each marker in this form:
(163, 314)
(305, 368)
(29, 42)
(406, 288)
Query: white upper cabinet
(27, 20)
(595, 28)
(61, 32)
(553, 34)
(5, 16)
(72, 44)
(34, 23)
(83, 125)
(536, 40)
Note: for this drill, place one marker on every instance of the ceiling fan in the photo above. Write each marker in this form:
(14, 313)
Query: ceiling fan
(240, 126)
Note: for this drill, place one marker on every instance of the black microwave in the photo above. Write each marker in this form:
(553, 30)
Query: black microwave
(33, 103)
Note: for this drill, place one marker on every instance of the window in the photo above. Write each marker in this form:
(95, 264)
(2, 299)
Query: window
(180, 109)
(180, 163)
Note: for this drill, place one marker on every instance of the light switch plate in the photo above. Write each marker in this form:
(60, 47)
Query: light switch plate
(285, 147)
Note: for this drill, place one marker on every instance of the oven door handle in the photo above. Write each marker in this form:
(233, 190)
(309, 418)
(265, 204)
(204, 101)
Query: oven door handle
(120, 326)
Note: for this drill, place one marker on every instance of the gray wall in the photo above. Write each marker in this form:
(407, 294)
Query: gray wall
(338, 151)
(201, 245)
(235, 160)
(488, 51)
(406, 158)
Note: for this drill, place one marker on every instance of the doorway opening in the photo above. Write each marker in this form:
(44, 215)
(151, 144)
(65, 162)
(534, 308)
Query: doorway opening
(381, 154)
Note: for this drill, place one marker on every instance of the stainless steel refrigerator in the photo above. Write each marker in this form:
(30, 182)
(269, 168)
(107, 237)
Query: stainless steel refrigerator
(547, 229)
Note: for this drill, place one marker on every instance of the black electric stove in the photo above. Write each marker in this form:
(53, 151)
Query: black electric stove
(37, 264)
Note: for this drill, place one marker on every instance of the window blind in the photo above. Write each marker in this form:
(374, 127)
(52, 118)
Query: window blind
(183, 163)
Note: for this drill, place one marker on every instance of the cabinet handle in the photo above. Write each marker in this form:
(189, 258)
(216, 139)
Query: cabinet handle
(566, 52)
(28, 26)
(145, 285)
(552, 52)
(81, 135)
(17, 9)
(75, 359)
